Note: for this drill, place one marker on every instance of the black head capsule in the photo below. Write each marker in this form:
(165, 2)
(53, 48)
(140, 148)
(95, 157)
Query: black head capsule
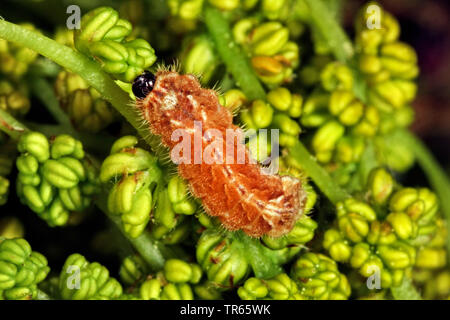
(143, 84)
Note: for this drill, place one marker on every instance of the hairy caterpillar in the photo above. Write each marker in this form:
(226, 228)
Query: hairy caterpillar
(237, 193)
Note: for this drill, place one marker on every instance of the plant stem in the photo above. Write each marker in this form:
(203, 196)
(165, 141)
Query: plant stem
(10, 126)
(230, 52)
(325, 22)
(77, 63)
(44, 92)
(317, 173)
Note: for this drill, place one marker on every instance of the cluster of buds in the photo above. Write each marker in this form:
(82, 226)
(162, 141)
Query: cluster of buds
(133, 172)
(174, 206)
(82, 280)
(198, 57)
(14, 98)
(55, 177)
(225, 259)
(273, 56)
(173, 283)
(103, 36)
(389, 65)
(21, 270)
(280, 287)
(84, 105)
(141, 193)
(382, 237)
(318, 278)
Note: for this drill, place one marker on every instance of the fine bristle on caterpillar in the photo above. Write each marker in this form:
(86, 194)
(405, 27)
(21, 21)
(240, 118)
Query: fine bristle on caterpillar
(239, 194)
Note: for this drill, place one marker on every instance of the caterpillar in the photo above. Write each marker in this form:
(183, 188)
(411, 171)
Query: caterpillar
(237, 192)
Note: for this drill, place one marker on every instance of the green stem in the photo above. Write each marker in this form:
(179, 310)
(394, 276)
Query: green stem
(10, 126)
(77, 63)
(230, 52)
(317, 173)
(44, 92)
(323, 19)
(149, 250)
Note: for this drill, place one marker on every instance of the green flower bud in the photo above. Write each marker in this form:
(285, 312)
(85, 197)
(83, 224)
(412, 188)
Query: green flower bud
(225, 5)
(381, 233)
(53, 187)
(420, 205)
(179, 291)
(268, 38)
(164, 213)
(400, 60)
(402, 224)
(258, 116)
(206, 291)
(349, 149)
(21, 269)
(233, 99)
(10, 228)
(319, 278)
(398, 255)
(177, 191)
(178, 271)
(14, 99)
(325, 139)
(36, 144)
(280, 98)
(273, 9)
(389, 30)
(315, 111)
(286, 124)
(363, 259)
(393, 153)
(223, 261)
(81, 280)
(346, 107)
(336, 76)
(431, 258)
(391, 95)
(133, 269)
(188, 10)
(380, 185)
(150, 289)
(338, 248)
(199, 57)
(354, 218)
(100, 24)
(368, 126)
(252, 289)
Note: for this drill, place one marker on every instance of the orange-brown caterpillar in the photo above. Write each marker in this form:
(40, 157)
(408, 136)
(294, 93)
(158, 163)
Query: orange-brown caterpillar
(238, 194)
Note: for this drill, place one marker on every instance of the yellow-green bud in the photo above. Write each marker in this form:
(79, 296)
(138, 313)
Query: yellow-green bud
(325, 139)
